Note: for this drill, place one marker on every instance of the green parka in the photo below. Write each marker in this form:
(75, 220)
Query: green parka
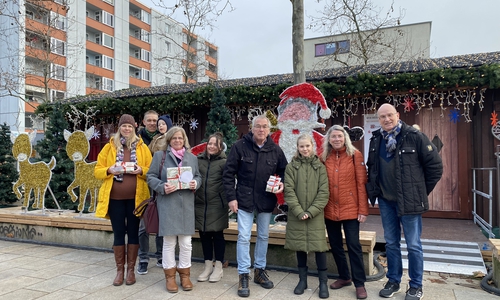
(306, 192)
(211, 209)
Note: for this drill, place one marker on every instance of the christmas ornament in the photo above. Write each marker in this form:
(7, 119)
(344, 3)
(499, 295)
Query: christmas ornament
(193, 124)
(494, 118)
(408, 104)
(454, 115)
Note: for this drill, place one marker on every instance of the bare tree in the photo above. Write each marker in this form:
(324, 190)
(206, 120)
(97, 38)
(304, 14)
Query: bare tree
(367, 33)
(193, 16)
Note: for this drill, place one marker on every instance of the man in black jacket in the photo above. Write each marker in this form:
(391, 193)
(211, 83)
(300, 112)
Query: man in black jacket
(403, 168)
(252, 160)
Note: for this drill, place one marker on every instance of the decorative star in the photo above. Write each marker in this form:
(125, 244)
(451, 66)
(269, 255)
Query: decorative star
(96, 135)
(408, 104)
(193, 124)
(454, 115)
(494, 118)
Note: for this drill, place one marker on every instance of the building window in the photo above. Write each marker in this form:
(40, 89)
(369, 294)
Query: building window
(107, 62)
(58, 72)
(57, 46)
(145, 36)
(108, 19)
(168, 80)
(168, 46)
(145, 75)
(57, 21)
(57, 95)
(168, 28)
(107, 41)
(107, 84)
(112, 2)
(145, 55)
(332, 48)
(145, 17)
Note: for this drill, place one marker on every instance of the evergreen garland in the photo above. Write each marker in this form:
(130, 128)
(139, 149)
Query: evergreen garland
(54, 144)
(219, 119)
(8, 172)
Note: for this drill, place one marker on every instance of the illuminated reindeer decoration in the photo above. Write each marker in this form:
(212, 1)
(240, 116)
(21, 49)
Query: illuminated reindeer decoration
(33, 176)
(77, 150)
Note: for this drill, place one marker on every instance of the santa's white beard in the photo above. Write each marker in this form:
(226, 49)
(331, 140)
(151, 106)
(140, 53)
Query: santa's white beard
(288, 140)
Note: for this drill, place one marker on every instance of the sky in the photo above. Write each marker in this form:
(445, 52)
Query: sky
(256, 38)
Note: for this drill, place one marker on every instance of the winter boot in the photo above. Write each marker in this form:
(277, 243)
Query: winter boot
(261, 277)
(186, 283)
(302, 285)
(217, 273)
(323, 284)
(209, 267)
(132, 250)
(120, 264)
(170, 280)
(243, 289)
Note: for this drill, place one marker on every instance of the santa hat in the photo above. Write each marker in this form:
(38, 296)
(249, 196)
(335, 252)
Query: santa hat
(309, 92)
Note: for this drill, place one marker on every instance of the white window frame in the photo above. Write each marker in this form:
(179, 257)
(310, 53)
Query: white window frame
(146, 75)
(98, 38)
(137, 53)
(112, 2)
(58, 72)
(110, 38)
(97, 61)
(97, 16)
(107, 84)
(57, 46)
(54, 93)
(146, 17)
(145, 36)
(145, 55)
(57, 21)
(108, 62)
(168, 80)
(108, 19)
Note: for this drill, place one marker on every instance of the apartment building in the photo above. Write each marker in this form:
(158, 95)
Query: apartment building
(57, 49)
(389, 44)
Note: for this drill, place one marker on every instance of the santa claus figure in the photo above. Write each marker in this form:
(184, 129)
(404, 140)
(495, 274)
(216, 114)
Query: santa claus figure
(297, 114)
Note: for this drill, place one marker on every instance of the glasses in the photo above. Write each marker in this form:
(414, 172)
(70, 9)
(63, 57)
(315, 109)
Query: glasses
(178, 138)
(261, 127)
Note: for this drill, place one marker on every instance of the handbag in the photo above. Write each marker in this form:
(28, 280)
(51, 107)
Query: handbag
(149, 209)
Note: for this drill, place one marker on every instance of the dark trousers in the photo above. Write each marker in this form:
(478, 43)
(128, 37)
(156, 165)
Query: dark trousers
(320, 260)
(351, 231)
(123, 221)
(213, 242)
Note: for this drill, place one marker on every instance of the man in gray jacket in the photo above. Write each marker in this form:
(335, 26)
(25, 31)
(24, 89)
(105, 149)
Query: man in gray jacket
(403, 168)
(252, 160)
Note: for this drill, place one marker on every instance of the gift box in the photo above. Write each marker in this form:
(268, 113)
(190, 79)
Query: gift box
(272, 185)
(175, 176)
(124, 167)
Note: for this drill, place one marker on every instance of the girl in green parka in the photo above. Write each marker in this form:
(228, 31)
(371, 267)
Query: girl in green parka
(306, 193)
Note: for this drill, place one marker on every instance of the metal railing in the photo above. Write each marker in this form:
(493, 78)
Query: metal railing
(487, 226)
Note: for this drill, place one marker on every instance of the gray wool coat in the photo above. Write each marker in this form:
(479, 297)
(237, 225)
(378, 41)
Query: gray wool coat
(175, 210)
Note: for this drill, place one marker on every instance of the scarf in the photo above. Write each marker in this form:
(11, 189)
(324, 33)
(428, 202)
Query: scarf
(179, 154)
(119, 156)
(390, 137)
(150, 135)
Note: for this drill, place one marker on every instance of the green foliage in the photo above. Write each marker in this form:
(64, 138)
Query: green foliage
(54, 144)
(8, 172)
(219, 119)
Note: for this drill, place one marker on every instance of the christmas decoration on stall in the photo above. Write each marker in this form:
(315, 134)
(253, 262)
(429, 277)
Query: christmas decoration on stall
(77, 149)
(8, 172)
(454, 115)
(494, 118)
(54, 144)
(33, 177)
(298, 114)
(495, 125)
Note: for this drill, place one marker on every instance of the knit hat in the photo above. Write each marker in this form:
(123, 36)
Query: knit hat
(126, 119)
(167, 120)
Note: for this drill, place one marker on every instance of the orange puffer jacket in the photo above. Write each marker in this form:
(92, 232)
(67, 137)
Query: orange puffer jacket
(348, 196)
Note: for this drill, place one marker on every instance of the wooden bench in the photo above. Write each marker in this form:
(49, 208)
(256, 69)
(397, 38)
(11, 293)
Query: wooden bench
(277, 255)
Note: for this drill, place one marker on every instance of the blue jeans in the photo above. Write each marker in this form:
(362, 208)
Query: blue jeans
(412, 228)
(245, 222)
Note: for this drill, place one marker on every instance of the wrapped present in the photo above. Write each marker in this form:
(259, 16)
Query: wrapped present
(272, 185)
(180, 177)
(124, 167)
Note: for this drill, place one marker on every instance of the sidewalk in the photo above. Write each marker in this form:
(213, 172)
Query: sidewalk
(33, 271)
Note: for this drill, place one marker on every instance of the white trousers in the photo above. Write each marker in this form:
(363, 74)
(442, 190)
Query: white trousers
(185, 251)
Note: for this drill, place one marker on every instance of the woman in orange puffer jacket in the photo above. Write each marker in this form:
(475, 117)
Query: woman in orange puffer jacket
(347, 206)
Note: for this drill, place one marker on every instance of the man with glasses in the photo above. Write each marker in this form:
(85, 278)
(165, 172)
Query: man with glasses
(252, 160)
(403, 168)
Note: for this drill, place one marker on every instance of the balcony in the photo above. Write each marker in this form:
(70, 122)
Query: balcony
(98, 71)
(100, 26)
(99, 48)
(138, 82)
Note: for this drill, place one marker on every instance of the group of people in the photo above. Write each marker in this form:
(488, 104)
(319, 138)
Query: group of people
(324, 193)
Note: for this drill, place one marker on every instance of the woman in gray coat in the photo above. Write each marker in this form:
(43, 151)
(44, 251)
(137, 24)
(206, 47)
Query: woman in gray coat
(175, 206)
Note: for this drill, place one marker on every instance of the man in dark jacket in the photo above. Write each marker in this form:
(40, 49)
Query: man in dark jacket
(147, 133)
(403, 168)
(252, 160)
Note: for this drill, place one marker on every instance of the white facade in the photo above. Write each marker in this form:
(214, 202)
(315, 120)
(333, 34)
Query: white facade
(66, 48)
(391, 44)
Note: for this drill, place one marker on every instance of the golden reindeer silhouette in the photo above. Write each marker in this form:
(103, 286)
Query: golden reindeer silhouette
(77, 150)
(33, 176)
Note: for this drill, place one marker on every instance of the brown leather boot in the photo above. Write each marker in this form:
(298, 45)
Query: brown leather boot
(132, 250)
(170, 280)
(120, 264)
(186, 283)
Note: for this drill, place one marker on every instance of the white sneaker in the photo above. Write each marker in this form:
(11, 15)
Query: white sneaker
(209, 266)
(217, 273)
